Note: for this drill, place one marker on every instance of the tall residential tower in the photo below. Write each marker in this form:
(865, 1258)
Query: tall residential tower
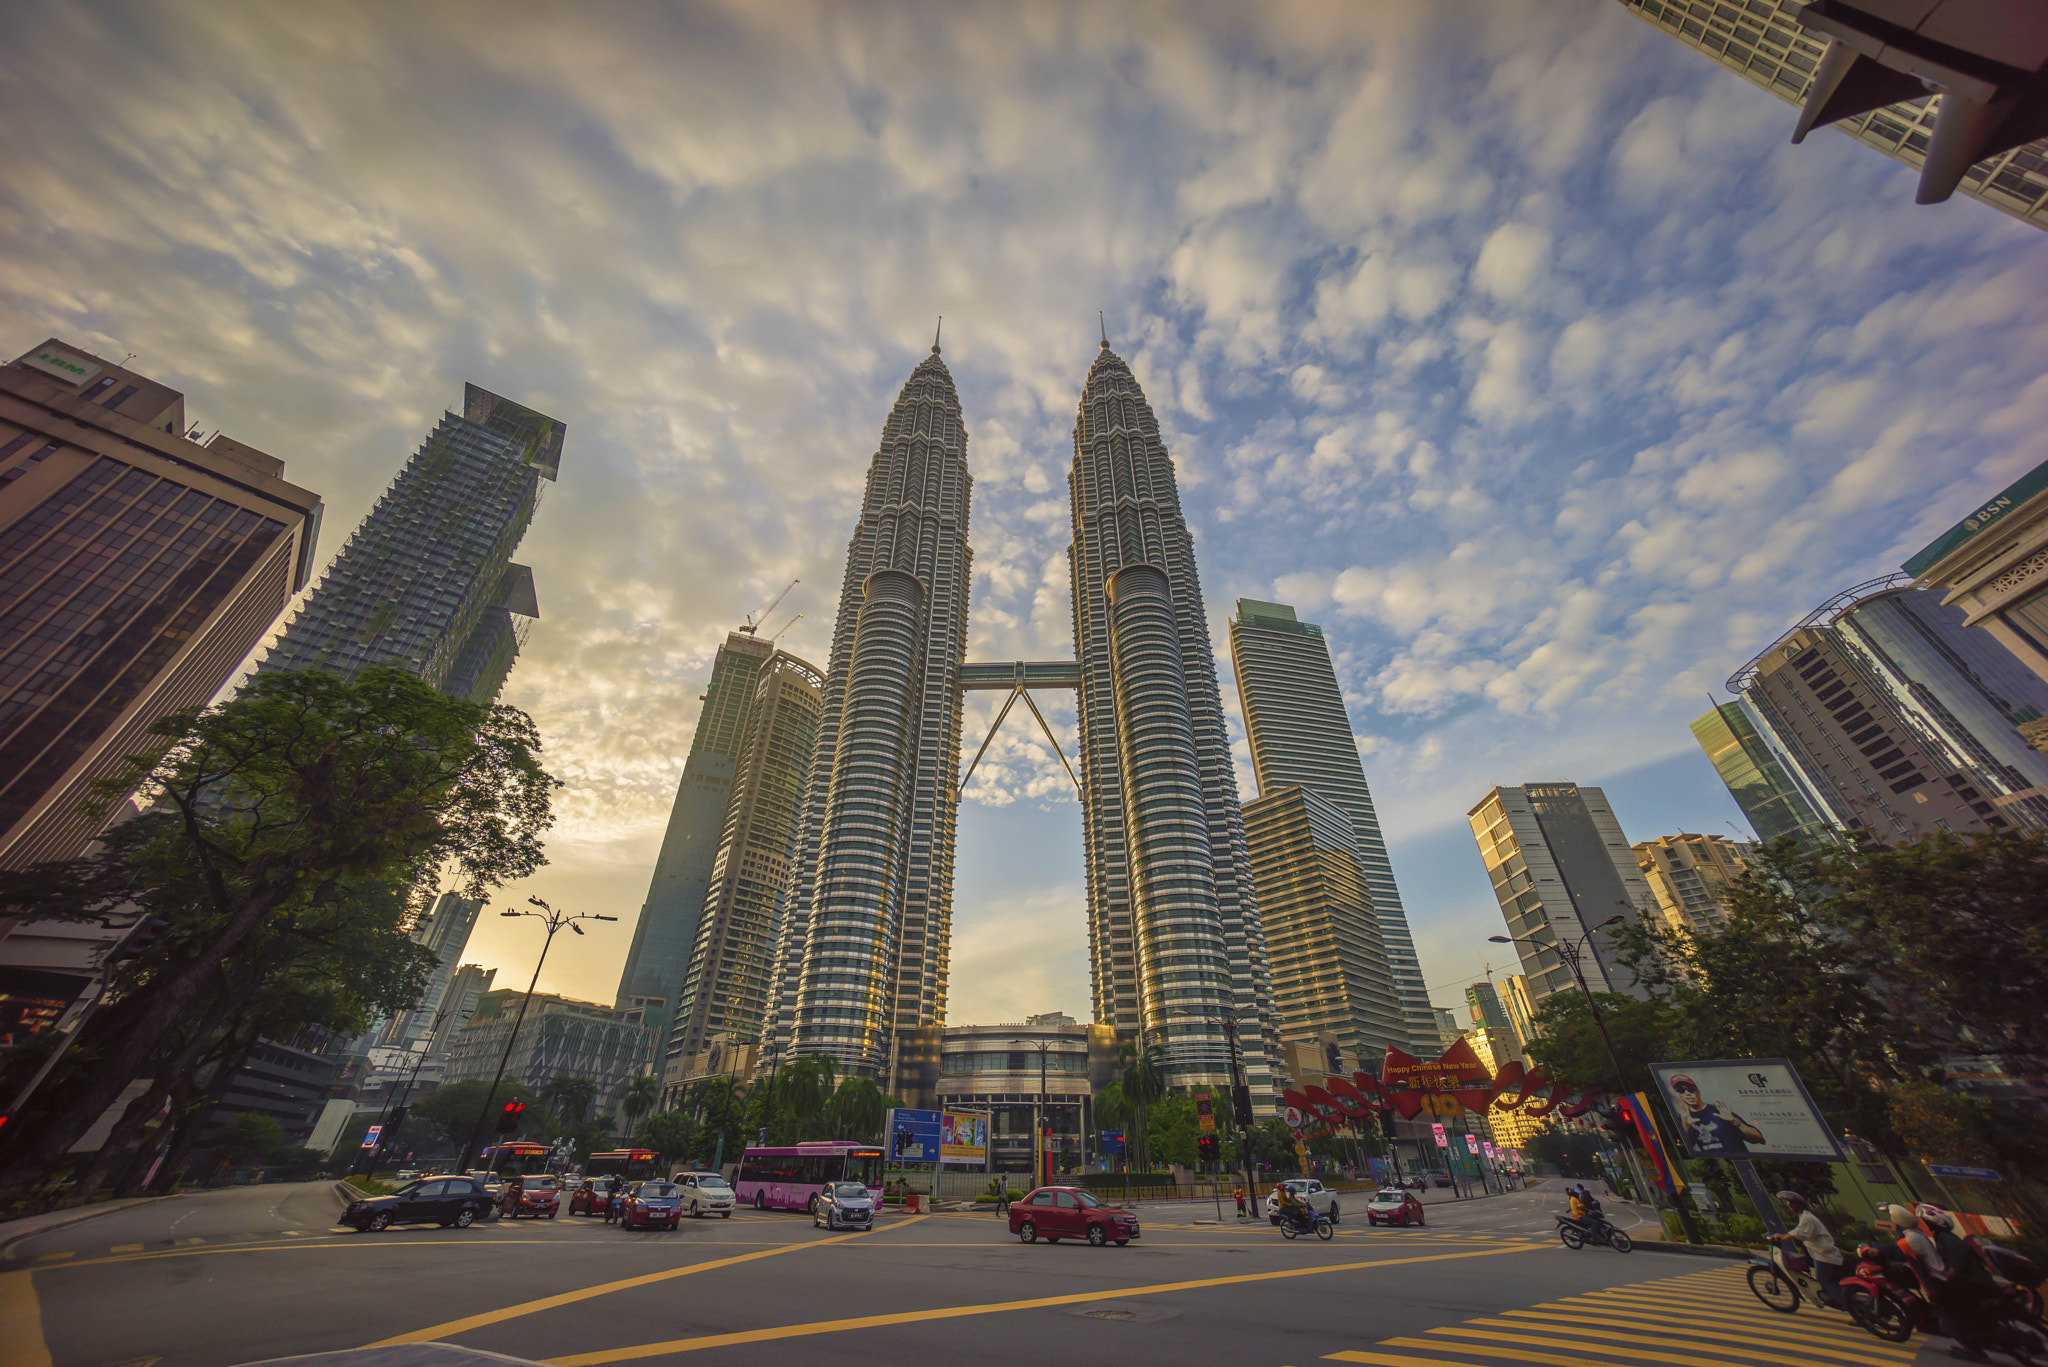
(1300, 735)
(426, 584)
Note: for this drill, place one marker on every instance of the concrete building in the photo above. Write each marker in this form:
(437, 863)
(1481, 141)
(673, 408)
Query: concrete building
(667, 928)
(1993, 567)
(1051, 1064)
(1690, 875)
(725, 986)
(1175, 941)
(1299, 732)
(1757, 778)
(559, 1035)
(427, 584)
(137, 571)
(1867, 68)
(1898, 718)
(1514, 999)
(1560, 866)
(1323, 946)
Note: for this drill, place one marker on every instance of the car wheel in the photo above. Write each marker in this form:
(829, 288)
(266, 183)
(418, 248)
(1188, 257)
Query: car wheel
(1027, 1233)
(381, 1220)
(1096, 1237)
(812, 1204)
(551, 1215)
(725, 1215)
(464, 1218)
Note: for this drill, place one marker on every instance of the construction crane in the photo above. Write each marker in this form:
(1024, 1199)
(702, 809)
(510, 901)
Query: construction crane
(756, 619)
(785, 628)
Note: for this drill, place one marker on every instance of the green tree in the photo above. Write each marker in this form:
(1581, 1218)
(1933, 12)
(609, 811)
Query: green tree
(858, 1109)
(569, 1099)
(1568, 1047)
(247, 1137)
(301, 786)
(720, 1107)
(452, 1111)
(1143, 1083)
(673, 1134)
(1170, 1130)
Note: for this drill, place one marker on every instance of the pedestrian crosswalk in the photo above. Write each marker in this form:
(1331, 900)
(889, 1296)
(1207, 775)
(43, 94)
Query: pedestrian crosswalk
(1702, 1319)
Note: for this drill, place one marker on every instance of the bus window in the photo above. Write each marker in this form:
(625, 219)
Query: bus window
(865, 1168)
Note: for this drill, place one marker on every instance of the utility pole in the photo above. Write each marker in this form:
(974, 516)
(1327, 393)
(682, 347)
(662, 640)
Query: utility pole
(554, 921)
(1244, 1137)
(1043, 1177)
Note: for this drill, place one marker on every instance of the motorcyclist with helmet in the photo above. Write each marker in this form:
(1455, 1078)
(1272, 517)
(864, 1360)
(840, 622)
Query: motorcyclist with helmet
(1811, 1235)
(1293, 1209)
(1960, 1288)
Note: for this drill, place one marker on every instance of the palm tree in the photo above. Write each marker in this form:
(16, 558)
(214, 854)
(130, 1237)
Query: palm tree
(640, 1096)
(570, 1098)
(1144, 1083)
(802, 1093)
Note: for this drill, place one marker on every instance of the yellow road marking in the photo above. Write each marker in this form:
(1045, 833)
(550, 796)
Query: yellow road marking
(1383, 1359)
(464, 1325)
(21, 1322)
(125, 1248)
(1571, 1339)
(789, 1331)
(1646, 1323)
(1518, 1355)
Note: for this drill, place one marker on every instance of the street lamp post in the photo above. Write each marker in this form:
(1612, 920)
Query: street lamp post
(1044, 1114)
(554, 921)
(1570, 951)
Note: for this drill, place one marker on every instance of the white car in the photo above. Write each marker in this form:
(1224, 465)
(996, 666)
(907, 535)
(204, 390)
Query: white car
(1319, 1197)
(704, 1193)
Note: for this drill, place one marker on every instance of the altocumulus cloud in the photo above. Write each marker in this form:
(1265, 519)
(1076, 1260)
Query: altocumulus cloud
(1514, 343)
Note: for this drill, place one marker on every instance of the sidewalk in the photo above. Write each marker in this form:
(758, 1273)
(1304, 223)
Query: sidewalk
(13, 1232)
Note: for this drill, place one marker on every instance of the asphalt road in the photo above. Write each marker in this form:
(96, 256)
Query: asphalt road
(242, 1275)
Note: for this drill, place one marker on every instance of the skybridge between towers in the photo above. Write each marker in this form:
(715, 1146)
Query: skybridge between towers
(1019, 677)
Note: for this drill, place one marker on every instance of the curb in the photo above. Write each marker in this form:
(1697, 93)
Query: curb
(1696, 1250)
(64, 1219)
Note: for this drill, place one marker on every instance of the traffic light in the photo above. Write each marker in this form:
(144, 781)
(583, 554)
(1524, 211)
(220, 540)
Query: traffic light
(508, 1121)
(1241, 1106)
(1207, 1148)
(397, 1119)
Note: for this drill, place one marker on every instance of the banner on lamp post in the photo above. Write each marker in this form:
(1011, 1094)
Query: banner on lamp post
(1443, 1141)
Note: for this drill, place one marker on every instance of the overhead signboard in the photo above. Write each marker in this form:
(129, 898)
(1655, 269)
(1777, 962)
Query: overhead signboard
(963, 1137)
(914, 1136)
(1745, 1108)
(1112, 1143)
(65, 366)
(1973, 1174)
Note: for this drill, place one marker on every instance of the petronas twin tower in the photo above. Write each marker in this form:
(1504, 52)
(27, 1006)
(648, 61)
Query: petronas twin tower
(1174, 934)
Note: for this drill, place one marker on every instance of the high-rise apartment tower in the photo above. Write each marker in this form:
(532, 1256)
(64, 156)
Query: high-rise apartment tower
(1300, 733)
(1691, 876)
(137, 571)
(426, 584)
(1561, 867)
(1757, 777)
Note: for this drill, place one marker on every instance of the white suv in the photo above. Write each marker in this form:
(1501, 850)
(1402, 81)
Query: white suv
(1319, 1197)
(704, 1193)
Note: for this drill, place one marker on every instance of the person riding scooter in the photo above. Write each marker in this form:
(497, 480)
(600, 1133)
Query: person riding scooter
(1293, 1209)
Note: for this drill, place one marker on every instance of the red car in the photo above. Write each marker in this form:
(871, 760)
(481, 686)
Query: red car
(538, 1196)
(590, 1195)
(1056, 1213)
(1393, 1206)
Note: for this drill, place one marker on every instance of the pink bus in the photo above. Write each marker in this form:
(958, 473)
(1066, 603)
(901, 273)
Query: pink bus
(790, 1179)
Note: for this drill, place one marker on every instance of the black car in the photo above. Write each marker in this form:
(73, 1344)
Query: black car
(444, 1201)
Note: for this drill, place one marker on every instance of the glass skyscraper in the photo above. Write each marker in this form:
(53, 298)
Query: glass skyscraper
(1757, 778)
(427, 584)
(1300, 735)
(137, 571)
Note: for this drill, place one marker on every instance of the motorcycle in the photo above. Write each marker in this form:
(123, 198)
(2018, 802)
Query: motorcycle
(1593, 1230)
(1888, 1297)
(1785, 1278)
(1312, 1221)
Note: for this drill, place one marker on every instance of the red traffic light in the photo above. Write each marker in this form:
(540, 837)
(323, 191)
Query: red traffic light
(514, 1107)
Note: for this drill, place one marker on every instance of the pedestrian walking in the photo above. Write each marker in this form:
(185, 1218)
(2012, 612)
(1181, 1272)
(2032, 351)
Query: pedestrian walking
(1002, 1196)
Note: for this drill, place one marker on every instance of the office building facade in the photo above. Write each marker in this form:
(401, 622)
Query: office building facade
(866, 933)
(1886, 102)
(1757, 777)
(1560, 867)
(1048, 1068)
(1300, 733)
(1175, 939)
(558, 1035)
(1901, 720)
(1691, 876)
(1323, 947)
(137, 571)
(1993, 568)
(725, 988)
(667, 929)
(427, 584)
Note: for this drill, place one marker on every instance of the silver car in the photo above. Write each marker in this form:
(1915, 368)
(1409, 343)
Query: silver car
(844, 1205)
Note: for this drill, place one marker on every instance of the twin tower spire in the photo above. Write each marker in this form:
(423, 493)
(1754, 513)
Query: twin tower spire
(1176, 948)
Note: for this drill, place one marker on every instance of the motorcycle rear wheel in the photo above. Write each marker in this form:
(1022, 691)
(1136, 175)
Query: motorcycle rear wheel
(1287, 1231)
(1773, 1289)
(1619, 1242)
(1886, 1317)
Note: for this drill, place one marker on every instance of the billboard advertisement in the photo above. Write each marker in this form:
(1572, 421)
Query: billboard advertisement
(1745, 1108)
(914, 1136)
(963, 1137)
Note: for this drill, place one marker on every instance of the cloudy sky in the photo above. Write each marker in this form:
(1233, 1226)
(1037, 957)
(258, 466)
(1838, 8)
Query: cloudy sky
(1513, 344)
